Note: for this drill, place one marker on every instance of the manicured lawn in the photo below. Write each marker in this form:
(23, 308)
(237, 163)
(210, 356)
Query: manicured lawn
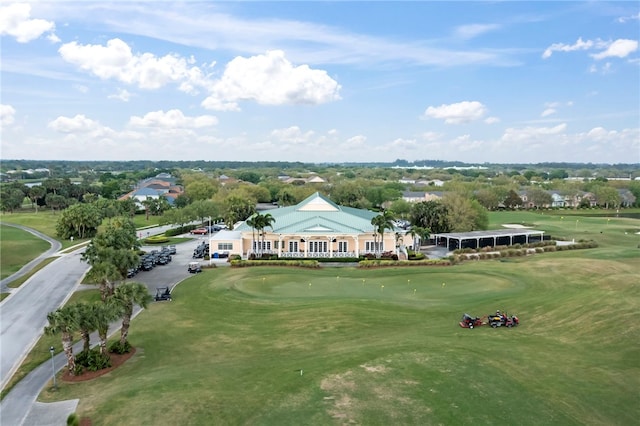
(18, 247)
(384, 347)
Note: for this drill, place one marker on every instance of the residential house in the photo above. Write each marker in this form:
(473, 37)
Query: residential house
(163, 185)
(417, 196)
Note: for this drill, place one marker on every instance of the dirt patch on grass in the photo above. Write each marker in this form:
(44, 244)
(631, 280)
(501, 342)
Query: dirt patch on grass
(116, 361)
(374, 368)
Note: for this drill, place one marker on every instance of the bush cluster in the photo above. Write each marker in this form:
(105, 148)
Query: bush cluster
(156, 239)
(179, 231)
(120, 349)
(377, 263)
(517, 246)
(512, 251)
(302, 263)
(92, 360)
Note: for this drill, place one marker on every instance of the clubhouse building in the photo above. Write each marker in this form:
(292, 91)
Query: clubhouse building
(316, 227)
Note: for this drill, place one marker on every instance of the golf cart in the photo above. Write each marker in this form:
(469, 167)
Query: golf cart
(194, 267)
(162, 294)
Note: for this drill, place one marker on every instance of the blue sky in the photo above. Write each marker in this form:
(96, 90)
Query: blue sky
(500, 82)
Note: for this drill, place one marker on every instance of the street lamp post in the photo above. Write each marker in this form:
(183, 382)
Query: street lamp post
(210, 247)
(53, 367)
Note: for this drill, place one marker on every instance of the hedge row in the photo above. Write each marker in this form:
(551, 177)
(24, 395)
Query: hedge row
(382, 263)
(312, 264)
(512, 252)
(501, 248)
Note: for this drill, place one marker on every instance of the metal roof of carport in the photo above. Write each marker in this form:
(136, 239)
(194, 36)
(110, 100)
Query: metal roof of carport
(488, 234)
(511, 233)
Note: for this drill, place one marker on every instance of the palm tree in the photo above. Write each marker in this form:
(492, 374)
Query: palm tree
(252, 222)
(418, 233)
(104, 314)
(104, 273)
(64, 321)
(266, 221)
(86, 324)
(381, 223)
(125, 296)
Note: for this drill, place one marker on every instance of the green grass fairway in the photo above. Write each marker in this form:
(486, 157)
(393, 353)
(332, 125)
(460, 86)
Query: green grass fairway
(18, 247)
(384, 347)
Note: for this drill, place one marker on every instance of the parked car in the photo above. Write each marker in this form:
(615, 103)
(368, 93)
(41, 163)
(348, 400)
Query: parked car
(199, 231)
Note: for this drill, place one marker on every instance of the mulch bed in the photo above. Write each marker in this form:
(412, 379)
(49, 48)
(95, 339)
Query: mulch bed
(116, 361)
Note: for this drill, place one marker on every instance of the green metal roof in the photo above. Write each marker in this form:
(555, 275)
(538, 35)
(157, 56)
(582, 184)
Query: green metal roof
(317, 214)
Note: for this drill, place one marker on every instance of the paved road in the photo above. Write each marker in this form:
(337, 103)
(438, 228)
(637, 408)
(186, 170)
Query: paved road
(55, 246)
(23, 314)
(23, 320)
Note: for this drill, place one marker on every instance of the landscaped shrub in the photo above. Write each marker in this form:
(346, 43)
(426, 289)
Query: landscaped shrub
(120, 349)
(73, 420)
(377, 263)
(301, 263)
(416, 256)
(93, 360)
(156, 239)
(179, 231)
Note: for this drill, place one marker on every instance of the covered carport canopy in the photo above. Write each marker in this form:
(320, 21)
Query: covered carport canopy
(490, 238)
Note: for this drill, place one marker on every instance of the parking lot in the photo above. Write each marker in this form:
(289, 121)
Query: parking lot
(175, 271)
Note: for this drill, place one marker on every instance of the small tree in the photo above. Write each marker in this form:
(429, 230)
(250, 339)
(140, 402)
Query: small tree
(64, 321)
(104, 314)
(126, 296)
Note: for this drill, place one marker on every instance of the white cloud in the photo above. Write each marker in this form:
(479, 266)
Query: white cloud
(624, 19)
(551, 108)
(474, 30)
(53, 38)
(172, 119)
(620, 48)
(293, 135)
(78, 124)
(561, 47)
(7, 115)
(492, 120)
(465, 143)
(122, 95)
(355, 142)
(81, 88)
(270, 79)
(430, 136)
(15, 20)
(604, 69)
(531, 134)
(404, 144)
(461, 112)
(147, 71)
